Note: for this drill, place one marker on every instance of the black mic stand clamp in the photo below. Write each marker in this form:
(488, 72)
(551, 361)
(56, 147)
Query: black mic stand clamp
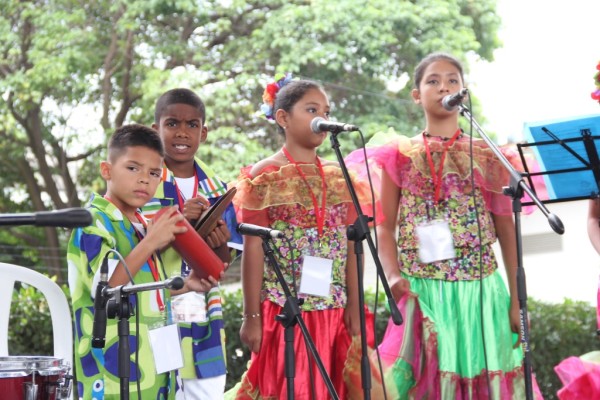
(120, 307)
(290, 316)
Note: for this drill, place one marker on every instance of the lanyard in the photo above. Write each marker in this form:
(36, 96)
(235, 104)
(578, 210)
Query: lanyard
(151, 262)
(437, 178)
(180, 197)
(319, 213)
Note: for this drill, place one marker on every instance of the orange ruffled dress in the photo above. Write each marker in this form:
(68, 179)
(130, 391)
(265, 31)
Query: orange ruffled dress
(280, 198)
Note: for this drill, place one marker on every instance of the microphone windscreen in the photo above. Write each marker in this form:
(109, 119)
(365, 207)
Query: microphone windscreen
(194, 250)
(314, 124)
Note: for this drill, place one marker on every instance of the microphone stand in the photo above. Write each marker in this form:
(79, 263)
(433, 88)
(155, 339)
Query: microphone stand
(288, 318)
(515, 191)
(358, 232)
(118, 306)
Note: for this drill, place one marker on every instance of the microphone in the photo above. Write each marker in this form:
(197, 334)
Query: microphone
(99, 327)
(67, 218)
(174, 283)
(319, 125)
(260, 231)
(452, 101)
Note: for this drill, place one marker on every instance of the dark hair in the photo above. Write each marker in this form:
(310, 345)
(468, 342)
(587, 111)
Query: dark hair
(134, 135)
(430, 59)
(291, 93)
(179, 96)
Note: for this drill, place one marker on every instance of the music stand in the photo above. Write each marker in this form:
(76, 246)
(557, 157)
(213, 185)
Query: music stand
(567, 153)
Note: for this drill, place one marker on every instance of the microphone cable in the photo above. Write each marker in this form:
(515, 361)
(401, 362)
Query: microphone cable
(375, 305)
(480, 236)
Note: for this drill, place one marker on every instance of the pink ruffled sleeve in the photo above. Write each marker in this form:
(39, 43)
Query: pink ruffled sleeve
(375, 159)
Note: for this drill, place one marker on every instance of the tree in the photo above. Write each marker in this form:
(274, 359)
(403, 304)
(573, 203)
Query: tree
(72, 71)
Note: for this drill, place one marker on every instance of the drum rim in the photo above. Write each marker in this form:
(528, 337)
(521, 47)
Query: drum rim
(18, 366)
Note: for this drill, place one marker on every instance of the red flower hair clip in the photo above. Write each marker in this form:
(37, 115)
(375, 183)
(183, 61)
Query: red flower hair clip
(270, 94)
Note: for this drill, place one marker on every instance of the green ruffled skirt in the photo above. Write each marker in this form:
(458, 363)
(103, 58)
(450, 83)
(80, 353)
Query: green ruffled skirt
(439, 352)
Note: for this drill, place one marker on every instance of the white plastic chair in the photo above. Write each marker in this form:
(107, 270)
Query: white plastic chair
(60, 312)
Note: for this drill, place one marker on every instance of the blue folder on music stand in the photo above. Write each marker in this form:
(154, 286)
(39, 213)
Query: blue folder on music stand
(567, 153)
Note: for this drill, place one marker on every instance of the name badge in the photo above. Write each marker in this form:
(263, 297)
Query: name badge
(435, 241)
(166, 348)
(316, 276)
(189, 307)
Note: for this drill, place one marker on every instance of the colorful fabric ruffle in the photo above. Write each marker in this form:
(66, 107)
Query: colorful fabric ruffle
(284, 186)
(580, 377)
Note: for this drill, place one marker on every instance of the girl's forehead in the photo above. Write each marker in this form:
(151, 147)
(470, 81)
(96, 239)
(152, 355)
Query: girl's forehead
(314, 96)
(441, 67)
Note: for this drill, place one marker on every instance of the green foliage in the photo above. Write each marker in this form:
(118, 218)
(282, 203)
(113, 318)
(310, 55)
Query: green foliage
(72, 72)
(30, 327)
(238, 354)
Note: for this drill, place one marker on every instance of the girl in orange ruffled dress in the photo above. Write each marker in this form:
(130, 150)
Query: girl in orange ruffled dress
(304, 196)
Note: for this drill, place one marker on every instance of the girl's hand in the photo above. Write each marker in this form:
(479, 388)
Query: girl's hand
(352, 318)
(514, 314)
(194, 207)
(399, 287)
(162, 231)
(251, 333)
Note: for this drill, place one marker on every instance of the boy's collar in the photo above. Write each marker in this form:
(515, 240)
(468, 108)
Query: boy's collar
(106, 206)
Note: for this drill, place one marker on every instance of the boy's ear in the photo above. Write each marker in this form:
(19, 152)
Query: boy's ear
(416, 95)
(154, 126)
(203, 134)
(105, 170)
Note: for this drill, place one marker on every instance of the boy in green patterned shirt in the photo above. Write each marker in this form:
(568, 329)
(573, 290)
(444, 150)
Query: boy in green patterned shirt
(132, 173)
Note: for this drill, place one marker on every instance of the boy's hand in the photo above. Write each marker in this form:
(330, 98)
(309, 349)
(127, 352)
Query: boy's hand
(219, 236)
(162, 231)
(195, 284)
(194, 207)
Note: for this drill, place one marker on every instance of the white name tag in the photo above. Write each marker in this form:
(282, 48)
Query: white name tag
(189, 307)
(166, 348)
(316, 276)
(435, 241)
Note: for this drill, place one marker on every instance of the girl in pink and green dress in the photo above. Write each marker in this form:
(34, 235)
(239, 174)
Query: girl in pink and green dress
(443, 210)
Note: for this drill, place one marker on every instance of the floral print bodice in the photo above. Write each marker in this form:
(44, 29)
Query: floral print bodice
(468, 200)
(282, 198)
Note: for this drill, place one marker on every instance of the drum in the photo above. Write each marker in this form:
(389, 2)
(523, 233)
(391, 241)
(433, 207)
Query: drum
(33, 378)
